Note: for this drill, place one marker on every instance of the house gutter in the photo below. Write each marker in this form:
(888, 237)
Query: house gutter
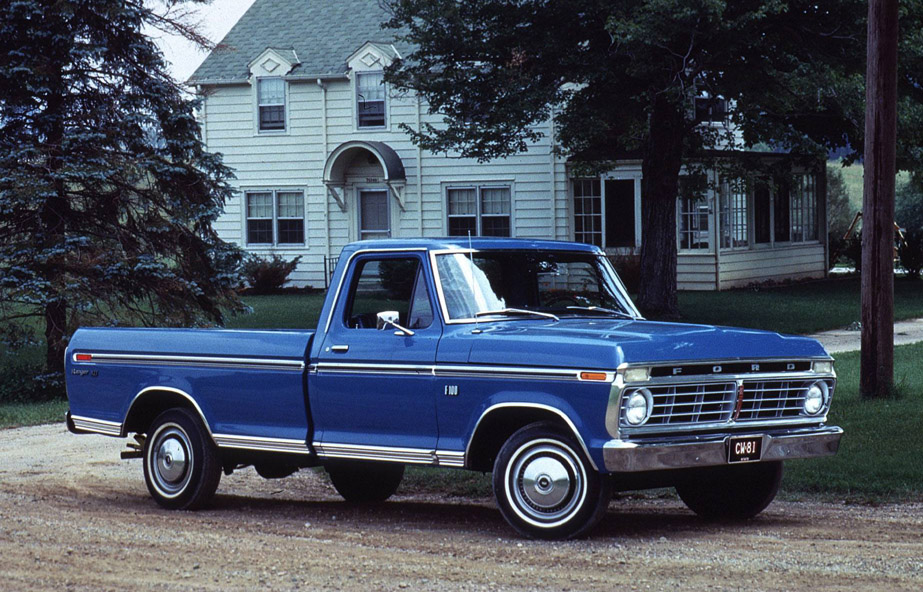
(323, 89)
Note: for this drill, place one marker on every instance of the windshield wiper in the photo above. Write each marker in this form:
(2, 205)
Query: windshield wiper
(601, 310)
(516, 311)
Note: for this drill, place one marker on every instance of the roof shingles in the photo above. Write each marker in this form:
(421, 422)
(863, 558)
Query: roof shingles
(322, 33)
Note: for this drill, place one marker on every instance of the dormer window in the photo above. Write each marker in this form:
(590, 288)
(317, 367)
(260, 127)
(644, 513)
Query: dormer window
(370, 99)
(271, 104)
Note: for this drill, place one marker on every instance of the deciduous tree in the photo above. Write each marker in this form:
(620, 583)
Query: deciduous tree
(624, 73)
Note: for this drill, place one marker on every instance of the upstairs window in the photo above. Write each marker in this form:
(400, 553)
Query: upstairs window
(370, 99)
(479, 211)
(270, 94)
(710, 110)
(275, 217)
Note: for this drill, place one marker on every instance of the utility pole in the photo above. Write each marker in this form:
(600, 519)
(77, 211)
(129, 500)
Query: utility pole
(877, 373)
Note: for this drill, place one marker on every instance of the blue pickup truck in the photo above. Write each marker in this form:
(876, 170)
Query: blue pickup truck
(522, 358)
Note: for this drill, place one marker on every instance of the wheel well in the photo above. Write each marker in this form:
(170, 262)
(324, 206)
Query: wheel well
(497, 426)
(151, 404)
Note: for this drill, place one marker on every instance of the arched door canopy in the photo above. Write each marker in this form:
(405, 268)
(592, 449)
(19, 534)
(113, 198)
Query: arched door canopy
(339, 160)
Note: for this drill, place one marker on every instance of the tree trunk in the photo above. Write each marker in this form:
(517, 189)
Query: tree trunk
(877, 371)
(53, 219)
(663, 158)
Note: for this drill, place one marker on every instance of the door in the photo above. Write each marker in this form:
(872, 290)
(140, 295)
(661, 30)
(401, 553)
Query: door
(374, 215)
(374, 387)
(620, 213)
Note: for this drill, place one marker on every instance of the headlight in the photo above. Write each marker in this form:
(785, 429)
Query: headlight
(816, 397)
(637, 374)
(824, 367)
(638, 407)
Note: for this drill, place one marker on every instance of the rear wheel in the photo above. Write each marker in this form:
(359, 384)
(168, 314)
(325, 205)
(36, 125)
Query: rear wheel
(181, 464)
(731, 492)
(365, 482)
(546, 487)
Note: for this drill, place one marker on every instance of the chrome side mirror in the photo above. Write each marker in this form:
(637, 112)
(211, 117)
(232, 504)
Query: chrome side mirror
(389, 318)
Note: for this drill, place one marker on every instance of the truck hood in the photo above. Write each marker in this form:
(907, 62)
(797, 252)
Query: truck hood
(607, 343)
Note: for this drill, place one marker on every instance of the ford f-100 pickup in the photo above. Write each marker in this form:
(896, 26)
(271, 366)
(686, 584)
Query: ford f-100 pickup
(522, 358)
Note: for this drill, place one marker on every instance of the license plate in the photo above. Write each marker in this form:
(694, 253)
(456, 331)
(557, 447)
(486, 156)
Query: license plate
(745, 449)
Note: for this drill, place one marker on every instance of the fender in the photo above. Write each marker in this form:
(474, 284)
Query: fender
(529, 405)
(168, 389)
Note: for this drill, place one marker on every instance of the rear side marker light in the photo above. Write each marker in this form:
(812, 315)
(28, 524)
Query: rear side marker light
(593, 376)
(84, 357)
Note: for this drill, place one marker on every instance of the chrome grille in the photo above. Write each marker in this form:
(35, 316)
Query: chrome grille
(774, 399)
(689, 403)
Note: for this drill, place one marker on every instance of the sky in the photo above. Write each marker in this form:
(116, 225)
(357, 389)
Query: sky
(216, 20)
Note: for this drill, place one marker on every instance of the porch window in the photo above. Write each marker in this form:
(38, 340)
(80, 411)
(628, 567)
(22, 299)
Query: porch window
(588, 217)
(733, 214)
(804, 208)
(271, 104)
(275, 217)
(694, 230)
(479, 211)
(370, 99)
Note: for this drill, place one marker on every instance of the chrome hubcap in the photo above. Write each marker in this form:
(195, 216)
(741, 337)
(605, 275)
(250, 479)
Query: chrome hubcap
(170, 462)
(546, 483)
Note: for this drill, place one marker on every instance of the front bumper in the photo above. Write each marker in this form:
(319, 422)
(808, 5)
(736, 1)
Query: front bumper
(622, 456)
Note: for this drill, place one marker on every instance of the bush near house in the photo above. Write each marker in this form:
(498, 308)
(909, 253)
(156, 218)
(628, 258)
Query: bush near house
(265, 275)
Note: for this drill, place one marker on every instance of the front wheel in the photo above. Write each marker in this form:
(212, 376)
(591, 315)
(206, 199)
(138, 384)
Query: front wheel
(181, 463)
(546, 487)
(731, 493)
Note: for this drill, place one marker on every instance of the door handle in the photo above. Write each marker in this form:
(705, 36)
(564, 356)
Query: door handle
(339, 348)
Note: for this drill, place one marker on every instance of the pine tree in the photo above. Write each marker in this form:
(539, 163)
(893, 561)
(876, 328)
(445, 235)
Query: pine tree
(107, 195)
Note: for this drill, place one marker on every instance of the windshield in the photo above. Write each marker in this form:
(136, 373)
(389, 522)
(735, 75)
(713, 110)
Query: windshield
(562, 283)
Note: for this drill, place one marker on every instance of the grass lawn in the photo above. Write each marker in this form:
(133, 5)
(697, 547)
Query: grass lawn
(879, 458)
(799, 308)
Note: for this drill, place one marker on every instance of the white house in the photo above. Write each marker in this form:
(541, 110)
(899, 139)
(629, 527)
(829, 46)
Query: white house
(294, 100)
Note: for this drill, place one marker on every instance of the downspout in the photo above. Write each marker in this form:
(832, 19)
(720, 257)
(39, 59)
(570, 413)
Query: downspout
(325, 199)
(716, 238)
(554, 194)
(419, 174)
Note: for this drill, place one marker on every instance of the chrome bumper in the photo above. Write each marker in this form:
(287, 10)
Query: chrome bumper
(704, 451)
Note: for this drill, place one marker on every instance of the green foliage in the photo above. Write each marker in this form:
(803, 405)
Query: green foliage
(15, 415)
(840, 211)
(107, 195)
(909, 215)
(877, 459)
(265, 275)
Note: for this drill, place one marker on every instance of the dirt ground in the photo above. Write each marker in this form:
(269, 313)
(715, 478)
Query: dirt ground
(75, 517)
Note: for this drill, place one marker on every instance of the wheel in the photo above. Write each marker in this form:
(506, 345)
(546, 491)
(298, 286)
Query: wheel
(731, 492)
(365, 482)
(546, 487)
(181, 464)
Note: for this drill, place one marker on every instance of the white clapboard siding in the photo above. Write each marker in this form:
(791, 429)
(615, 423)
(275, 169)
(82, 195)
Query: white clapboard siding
(741, 268)
(695, 271)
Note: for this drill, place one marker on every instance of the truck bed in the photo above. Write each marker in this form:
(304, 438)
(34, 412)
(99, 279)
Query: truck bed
(248, 386)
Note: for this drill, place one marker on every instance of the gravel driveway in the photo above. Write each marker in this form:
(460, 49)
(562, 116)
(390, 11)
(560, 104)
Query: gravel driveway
(74, 517)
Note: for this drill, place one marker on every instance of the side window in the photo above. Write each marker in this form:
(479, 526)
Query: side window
(421, 308)
(380, 285)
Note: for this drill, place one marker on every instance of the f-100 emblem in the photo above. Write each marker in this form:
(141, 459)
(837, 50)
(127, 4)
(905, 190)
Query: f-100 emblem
(451, 390)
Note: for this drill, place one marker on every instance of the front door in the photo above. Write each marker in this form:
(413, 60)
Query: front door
(374, 215)
(372, 391)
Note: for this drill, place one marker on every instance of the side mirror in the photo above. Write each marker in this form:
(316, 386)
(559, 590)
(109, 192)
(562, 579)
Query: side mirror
(389, 318)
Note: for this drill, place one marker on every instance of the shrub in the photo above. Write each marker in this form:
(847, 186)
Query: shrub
(266, 275)
(911, 253)
(629, 269)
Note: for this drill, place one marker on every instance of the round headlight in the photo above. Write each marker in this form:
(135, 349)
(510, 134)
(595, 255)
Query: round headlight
(638, 407)
(816, 397)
